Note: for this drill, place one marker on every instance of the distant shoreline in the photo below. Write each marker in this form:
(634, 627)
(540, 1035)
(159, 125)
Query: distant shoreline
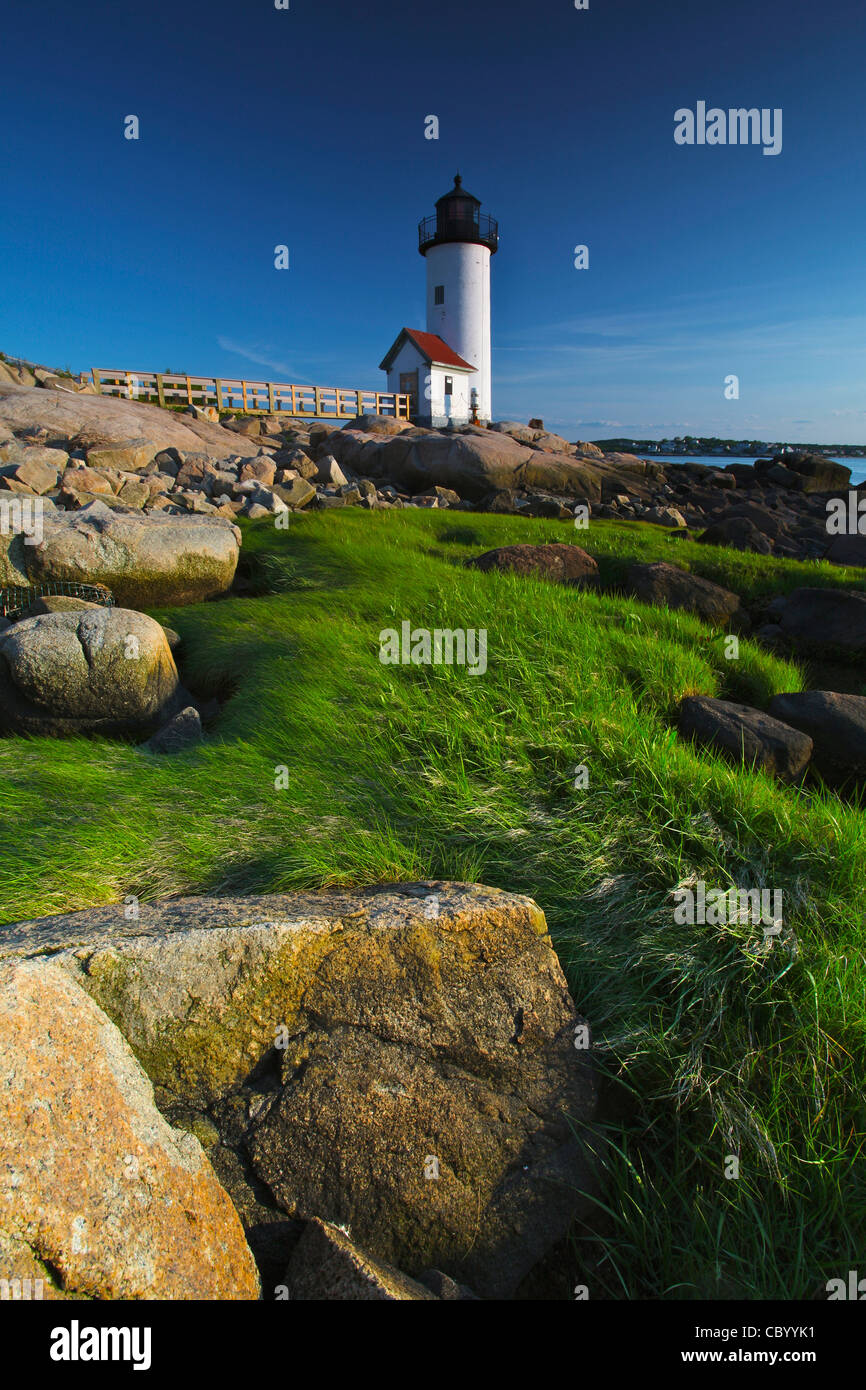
(842, 452)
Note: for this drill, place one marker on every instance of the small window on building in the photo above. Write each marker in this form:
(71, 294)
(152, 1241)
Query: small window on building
(439, 294)
(448, 389)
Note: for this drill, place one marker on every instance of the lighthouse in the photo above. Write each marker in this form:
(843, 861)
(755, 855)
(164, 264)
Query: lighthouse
(446, 369)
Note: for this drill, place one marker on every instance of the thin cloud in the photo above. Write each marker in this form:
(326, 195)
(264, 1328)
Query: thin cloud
(262, 358)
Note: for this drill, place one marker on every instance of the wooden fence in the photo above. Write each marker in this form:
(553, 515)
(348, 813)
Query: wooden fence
(249, 397)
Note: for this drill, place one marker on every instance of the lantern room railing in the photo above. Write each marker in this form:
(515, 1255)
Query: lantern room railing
(484, 230)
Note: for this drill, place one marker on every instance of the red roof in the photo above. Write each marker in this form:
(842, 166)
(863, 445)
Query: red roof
(431, 347)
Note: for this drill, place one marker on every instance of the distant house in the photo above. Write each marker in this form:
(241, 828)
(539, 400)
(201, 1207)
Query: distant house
(433, 374)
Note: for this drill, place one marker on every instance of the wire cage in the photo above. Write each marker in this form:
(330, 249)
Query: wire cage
(14, 598)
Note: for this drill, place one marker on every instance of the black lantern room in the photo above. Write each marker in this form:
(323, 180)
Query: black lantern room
(458, 218)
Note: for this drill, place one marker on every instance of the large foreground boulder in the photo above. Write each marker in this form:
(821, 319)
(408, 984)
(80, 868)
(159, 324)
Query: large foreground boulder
(99, 1196)
(559, 562)
(98, 670)
(745, 734)
(668, 586)
(836, 724)
(146, 561)
(404, 1061)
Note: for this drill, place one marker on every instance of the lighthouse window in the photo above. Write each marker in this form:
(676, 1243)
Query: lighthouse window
(439, 294)
(448, 385)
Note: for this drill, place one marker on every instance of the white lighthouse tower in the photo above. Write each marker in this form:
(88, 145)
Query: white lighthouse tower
(447, 369)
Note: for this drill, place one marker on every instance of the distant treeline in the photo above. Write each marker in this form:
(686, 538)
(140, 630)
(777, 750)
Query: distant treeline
(693, 444)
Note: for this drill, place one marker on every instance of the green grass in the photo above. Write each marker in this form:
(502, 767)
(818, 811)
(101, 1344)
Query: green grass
(711, 1042)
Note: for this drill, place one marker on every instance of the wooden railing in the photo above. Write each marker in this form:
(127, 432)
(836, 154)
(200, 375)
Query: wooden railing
(249, 397)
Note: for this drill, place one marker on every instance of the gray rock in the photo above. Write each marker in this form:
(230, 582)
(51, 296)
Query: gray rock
(564, 564)
(664, 516)
(836, 724)
(260, 470)
(782, 476)
(106, 670)
(447, 1290)
(671, 587)
(817, 473)
(379, 424)
(847, 550)
(295, 460)
(745, 734)
(129, 455)
(39, 473)
(181, 732)
(739, 533)
(825, 621)
(327, 1267)
(329, 471)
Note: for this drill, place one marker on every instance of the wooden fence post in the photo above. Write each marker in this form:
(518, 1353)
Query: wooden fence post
(219, 392)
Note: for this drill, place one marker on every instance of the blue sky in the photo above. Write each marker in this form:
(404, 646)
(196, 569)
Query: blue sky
(305, 127)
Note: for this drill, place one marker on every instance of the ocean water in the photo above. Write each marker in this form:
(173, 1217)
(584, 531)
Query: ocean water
(857, 466)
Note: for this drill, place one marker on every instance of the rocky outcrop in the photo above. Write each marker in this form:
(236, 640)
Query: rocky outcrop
(103, 670)
(146, 561)
(114, 420)
(563, 564)
(746, 735)
(668, 586)
(99, 1196)
(475, 463)
(404, 1061)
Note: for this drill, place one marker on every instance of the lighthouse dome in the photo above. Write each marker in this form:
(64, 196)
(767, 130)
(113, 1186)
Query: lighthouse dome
(458, 217)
